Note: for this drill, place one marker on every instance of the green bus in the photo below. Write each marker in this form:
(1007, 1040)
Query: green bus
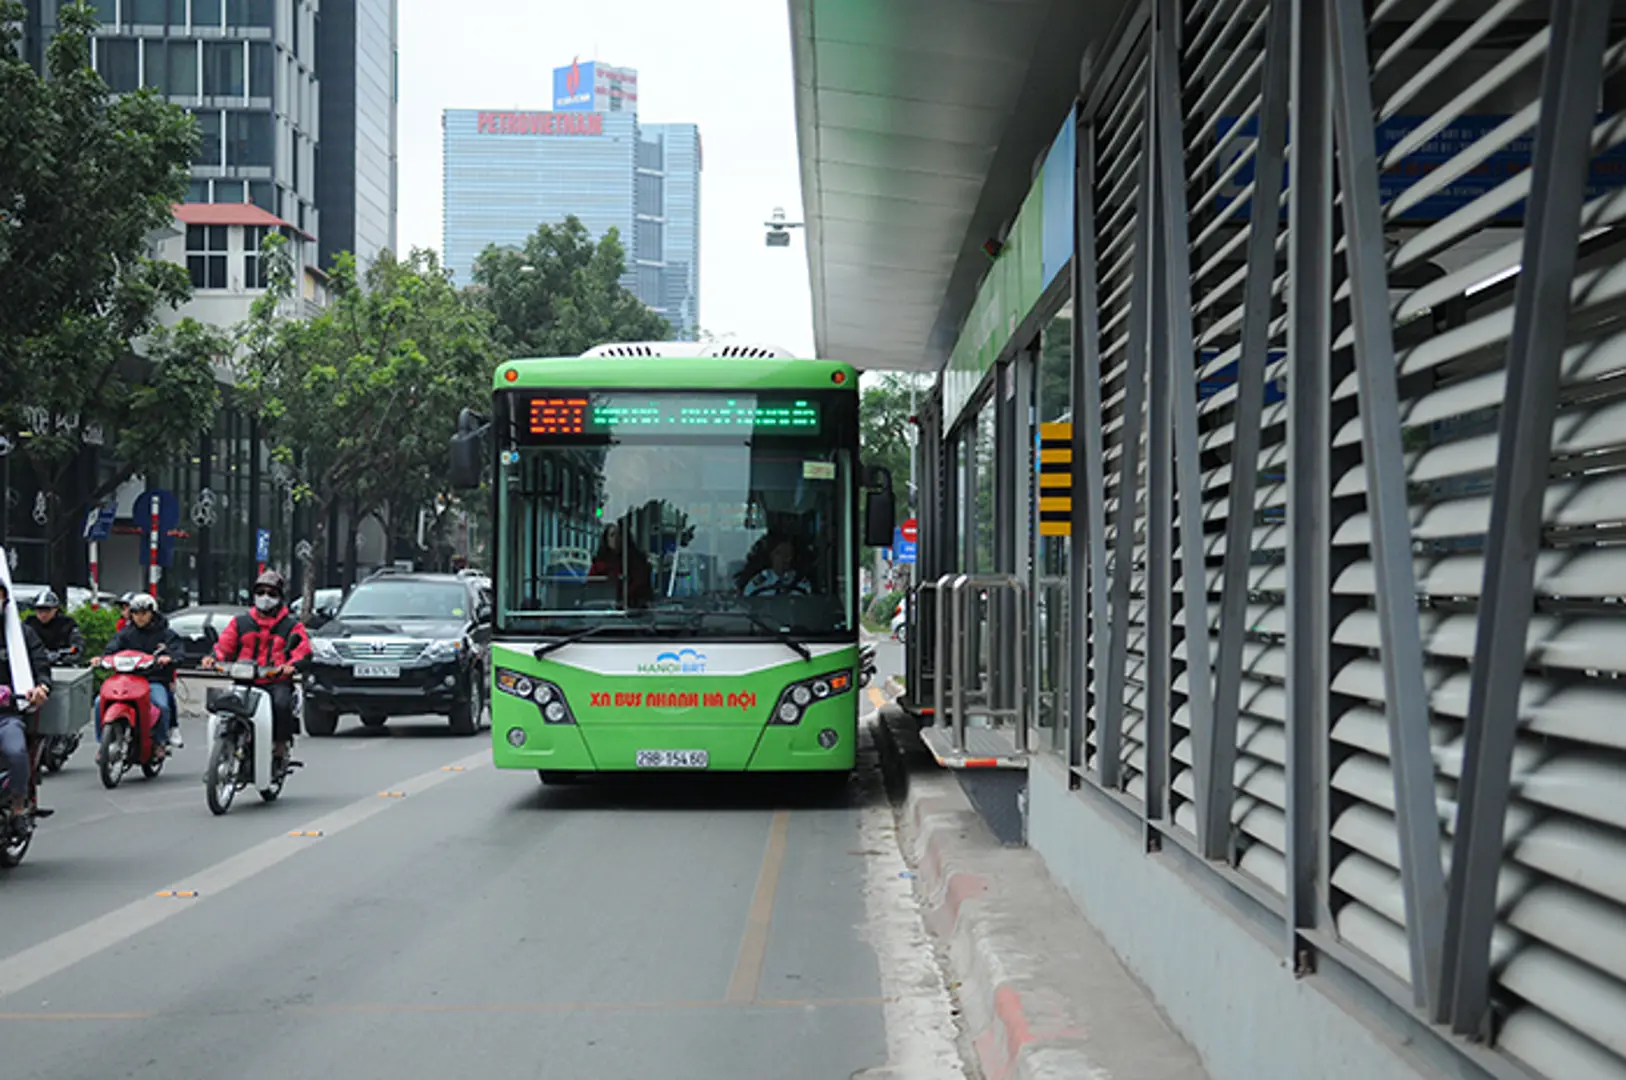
(675, 554)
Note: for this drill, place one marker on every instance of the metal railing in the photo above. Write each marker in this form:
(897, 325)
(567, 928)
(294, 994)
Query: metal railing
(981, 633)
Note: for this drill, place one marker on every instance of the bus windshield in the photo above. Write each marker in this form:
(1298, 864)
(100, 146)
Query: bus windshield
(706, 516)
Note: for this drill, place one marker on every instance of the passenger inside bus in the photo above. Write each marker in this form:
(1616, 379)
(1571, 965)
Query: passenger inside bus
(619, 561)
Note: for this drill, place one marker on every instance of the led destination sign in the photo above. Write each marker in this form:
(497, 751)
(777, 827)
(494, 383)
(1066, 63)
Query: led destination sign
(622, 414)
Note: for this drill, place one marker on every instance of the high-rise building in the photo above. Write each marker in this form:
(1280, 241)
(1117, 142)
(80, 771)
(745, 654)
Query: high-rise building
(508, 171)
(357, 174)
(295, 101)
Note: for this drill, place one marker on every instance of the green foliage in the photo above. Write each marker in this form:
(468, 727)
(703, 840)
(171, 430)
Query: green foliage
(561, 295)
(359, 401)
(86, 177)
(884, 434)
(881, 609)
(96, 624)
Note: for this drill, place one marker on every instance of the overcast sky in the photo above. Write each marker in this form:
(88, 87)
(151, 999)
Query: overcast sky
(722, 64)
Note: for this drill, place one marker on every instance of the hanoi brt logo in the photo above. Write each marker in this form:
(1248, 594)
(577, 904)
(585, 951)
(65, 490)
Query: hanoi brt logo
(683, 662)
(573, 87)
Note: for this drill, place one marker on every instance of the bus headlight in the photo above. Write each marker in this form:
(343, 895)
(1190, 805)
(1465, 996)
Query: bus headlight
(548, 699)
(796, 697)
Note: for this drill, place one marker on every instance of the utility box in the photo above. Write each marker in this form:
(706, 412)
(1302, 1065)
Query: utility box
(73, 690)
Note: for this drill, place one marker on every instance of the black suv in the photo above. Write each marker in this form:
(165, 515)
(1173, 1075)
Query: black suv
(403, 644)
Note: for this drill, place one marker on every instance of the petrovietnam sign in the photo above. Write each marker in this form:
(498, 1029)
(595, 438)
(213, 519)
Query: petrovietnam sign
(540, 123)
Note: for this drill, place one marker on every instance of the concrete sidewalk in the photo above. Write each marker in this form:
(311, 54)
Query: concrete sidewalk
(1042, 995)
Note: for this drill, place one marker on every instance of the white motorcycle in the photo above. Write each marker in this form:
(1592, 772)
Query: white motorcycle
(241, 740)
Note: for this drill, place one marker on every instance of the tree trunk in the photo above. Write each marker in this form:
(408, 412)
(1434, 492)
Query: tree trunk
(318, 543)
(352, 530)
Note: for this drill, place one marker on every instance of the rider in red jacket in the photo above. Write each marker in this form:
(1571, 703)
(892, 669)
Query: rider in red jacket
(269, 635)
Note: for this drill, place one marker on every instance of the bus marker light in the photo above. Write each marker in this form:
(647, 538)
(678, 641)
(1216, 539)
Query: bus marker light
(838, 377)
(828, 738)
(511, 375)
(516, 737)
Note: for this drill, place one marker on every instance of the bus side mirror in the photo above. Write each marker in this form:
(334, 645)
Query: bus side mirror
(468, 451)
(880, 509)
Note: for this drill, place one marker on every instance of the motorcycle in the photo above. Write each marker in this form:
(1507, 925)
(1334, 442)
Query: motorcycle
(128, 719)
(866, 664)
(59, 748)
(16, 835)
(241, 740)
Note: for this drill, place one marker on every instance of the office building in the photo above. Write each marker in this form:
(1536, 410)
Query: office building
(357, 170)
(295, 101)
(508, 171)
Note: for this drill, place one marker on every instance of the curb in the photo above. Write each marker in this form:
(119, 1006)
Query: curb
(1042, 995)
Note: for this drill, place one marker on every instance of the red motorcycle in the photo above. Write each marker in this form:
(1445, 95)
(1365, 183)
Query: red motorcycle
(128, 718)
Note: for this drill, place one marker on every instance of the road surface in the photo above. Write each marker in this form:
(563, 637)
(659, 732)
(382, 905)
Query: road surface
(450, 920)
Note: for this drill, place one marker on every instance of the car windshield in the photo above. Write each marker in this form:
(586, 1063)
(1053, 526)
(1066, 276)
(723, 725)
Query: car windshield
(730, 534)
(407, 600)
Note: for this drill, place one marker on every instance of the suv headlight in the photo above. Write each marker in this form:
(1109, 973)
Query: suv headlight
(443, 650)
(548, 698)
(323, 649)
(795, 698)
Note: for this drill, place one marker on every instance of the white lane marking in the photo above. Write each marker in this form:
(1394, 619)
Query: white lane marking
(68, 948)
(921, 1037)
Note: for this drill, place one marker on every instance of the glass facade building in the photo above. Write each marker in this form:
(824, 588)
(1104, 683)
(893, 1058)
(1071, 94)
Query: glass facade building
(357, 171)
(506, 172)
(295, 101)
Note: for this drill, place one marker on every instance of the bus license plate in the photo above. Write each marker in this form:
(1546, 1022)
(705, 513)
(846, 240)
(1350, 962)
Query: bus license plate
(378, 671)
(673, 759)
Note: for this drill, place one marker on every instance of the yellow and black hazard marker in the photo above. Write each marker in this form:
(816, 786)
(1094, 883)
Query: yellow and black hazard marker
(1056, 479)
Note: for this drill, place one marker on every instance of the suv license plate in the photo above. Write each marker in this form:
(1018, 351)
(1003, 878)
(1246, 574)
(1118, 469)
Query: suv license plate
(673, 759)
(378, 671)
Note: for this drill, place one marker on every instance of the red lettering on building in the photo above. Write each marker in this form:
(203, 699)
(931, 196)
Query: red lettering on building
(539, 123)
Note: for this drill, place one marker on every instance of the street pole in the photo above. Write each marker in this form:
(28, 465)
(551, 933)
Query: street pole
(152, 551)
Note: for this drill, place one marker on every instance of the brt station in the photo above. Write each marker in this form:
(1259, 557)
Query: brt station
(1272, 488)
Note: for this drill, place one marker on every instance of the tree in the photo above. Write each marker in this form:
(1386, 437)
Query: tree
(85, 180)
(360, 400)
(561, 294)
(884, 431)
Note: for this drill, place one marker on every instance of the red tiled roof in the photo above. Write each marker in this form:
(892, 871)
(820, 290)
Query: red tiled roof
(194, 213)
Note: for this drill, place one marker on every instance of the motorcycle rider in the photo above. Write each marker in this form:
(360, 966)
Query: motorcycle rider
(269, 635)
(22, 660)
(149, 632)
(124, 612)
(59, 632)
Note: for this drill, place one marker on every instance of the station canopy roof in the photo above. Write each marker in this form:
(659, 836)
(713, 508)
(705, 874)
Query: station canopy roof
(920, 123)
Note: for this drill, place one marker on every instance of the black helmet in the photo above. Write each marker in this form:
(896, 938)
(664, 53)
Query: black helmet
(271, 580)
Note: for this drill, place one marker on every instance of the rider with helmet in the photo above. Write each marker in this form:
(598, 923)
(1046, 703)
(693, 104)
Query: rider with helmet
(149, 632)
(57, 630)
(124, 611)
(269, 635)
(23, 662)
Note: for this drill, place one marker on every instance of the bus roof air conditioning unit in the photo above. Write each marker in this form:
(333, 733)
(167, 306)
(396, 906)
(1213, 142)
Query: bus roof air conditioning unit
(646, 348)
(753, 352)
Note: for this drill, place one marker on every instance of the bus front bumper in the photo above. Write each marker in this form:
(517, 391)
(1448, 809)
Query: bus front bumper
(728, 747)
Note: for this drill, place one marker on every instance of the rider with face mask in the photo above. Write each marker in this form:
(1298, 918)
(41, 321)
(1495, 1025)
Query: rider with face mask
(270, 636)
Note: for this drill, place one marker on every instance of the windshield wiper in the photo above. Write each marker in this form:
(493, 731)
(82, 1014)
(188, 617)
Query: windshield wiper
(780, 635)
(570, 639)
